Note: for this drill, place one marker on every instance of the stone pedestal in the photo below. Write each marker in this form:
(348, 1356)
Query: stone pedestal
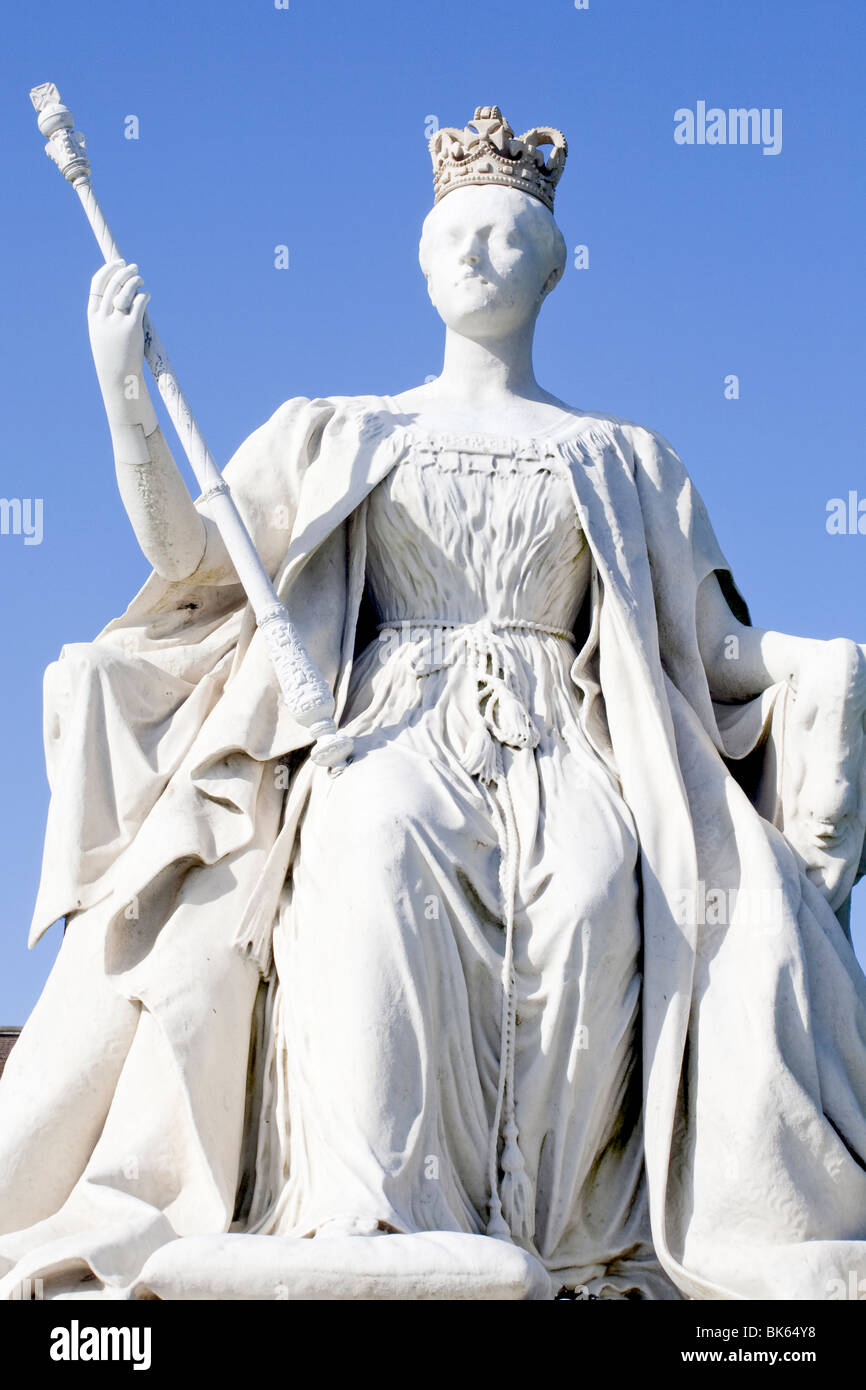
(7, 1039)
(434, 1265)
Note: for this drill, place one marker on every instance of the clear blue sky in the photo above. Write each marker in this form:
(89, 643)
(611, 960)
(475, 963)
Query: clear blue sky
(306, 127)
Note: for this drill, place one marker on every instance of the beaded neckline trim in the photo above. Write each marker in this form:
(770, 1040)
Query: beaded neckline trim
(497, 446)
(484, 453)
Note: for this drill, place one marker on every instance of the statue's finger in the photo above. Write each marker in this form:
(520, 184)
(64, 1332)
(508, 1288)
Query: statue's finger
(103, 275)
(126, 294)
(139, 304)
(122, 275)
(115, 283)
(109, 290)
(97, 288)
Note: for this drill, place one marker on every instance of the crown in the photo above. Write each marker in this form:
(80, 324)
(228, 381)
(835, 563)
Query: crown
(488, 151)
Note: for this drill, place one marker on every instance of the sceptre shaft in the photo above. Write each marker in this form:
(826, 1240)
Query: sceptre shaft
(305, 691)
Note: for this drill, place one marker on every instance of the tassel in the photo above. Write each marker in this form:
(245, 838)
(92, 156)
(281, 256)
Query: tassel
(254, 935)
(481, 758)
(255, 940)
(515, 1189)
(507, 719)
(497, 1226)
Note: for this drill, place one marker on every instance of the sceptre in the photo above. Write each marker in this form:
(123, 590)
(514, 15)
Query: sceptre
(304, 689)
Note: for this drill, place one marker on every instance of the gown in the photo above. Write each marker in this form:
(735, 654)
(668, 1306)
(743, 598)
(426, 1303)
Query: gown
(474, 964)
(457, 1039)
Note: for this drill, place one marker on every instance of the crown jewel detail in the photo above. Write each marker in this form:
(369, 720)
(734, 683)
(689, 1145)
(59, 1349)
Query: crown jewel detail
(488, 151)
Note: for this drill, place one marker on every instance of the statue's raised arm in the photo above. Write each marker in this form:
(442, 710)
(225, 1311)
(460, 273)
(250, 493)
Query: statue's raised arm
(173, 535)
(150, 484)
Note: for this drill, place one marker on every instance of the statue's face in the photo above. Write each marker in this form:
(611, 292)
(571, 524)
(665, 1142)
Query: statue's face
(490, 254)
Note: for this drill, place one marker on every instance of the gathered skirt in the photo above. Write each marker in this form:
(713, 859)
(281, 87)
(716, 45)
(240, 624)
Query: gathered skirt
(390, 949)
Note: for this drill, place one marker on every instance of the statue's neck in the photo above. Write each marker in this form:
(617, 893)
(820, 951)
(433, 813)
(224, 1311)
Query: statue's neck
(482, 373)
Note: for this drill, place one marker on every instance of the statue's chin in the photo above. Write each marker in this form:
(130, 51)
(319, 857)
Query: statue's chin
(480, 315)
(473, 305)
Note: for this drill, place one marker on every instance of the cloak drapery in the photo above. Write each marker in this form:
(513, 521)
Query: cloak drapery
(169, 753)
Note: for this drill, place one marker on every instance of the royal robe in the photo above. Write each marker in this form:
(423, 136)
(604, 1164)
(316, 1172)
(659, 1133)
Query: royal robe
(168, 826)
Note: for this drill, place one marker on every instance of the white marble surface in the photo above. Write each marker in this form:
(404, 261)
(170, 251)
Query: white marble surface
(172, 834)
(429, 1266)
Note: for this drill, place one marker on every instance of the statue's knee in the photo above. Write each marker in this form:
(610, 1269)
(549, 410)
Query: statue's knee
(83, 659)
(81, 667)
(372, 808)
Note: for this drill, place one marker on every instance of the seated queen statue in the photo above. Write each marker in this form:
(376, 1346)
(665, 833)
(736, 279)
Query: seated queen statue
(551, 989)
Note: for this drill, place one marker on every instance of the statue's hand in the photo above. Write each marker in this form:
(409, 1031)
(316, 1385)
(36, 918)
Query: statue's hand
(824, 782)
(115, 311)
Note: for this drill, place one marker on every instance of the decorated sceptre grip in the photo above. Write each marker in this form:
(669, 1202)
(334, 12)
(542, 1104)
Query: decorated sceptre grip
(306, 692)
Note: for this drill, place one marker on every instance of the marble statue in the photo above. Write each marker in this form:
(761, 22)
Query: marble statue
(550, 988)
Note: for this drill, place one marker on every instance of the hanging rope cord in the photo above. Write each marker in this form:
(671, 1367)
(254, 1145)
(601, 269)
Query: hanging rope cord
(503, 698)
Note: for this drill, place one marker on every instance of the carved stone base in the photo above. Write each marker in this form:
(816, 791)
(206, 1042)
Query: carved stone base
(433, 1265)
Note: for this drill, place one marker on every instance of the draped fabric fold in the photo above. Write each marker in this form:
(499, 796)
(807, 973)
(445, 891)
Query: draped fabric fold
(179, 781)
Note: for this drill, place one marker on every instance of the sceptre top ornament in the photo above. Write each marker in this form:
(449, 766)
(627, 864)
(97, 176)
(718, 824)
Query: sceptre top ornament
(66, 146)
(488, 151)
